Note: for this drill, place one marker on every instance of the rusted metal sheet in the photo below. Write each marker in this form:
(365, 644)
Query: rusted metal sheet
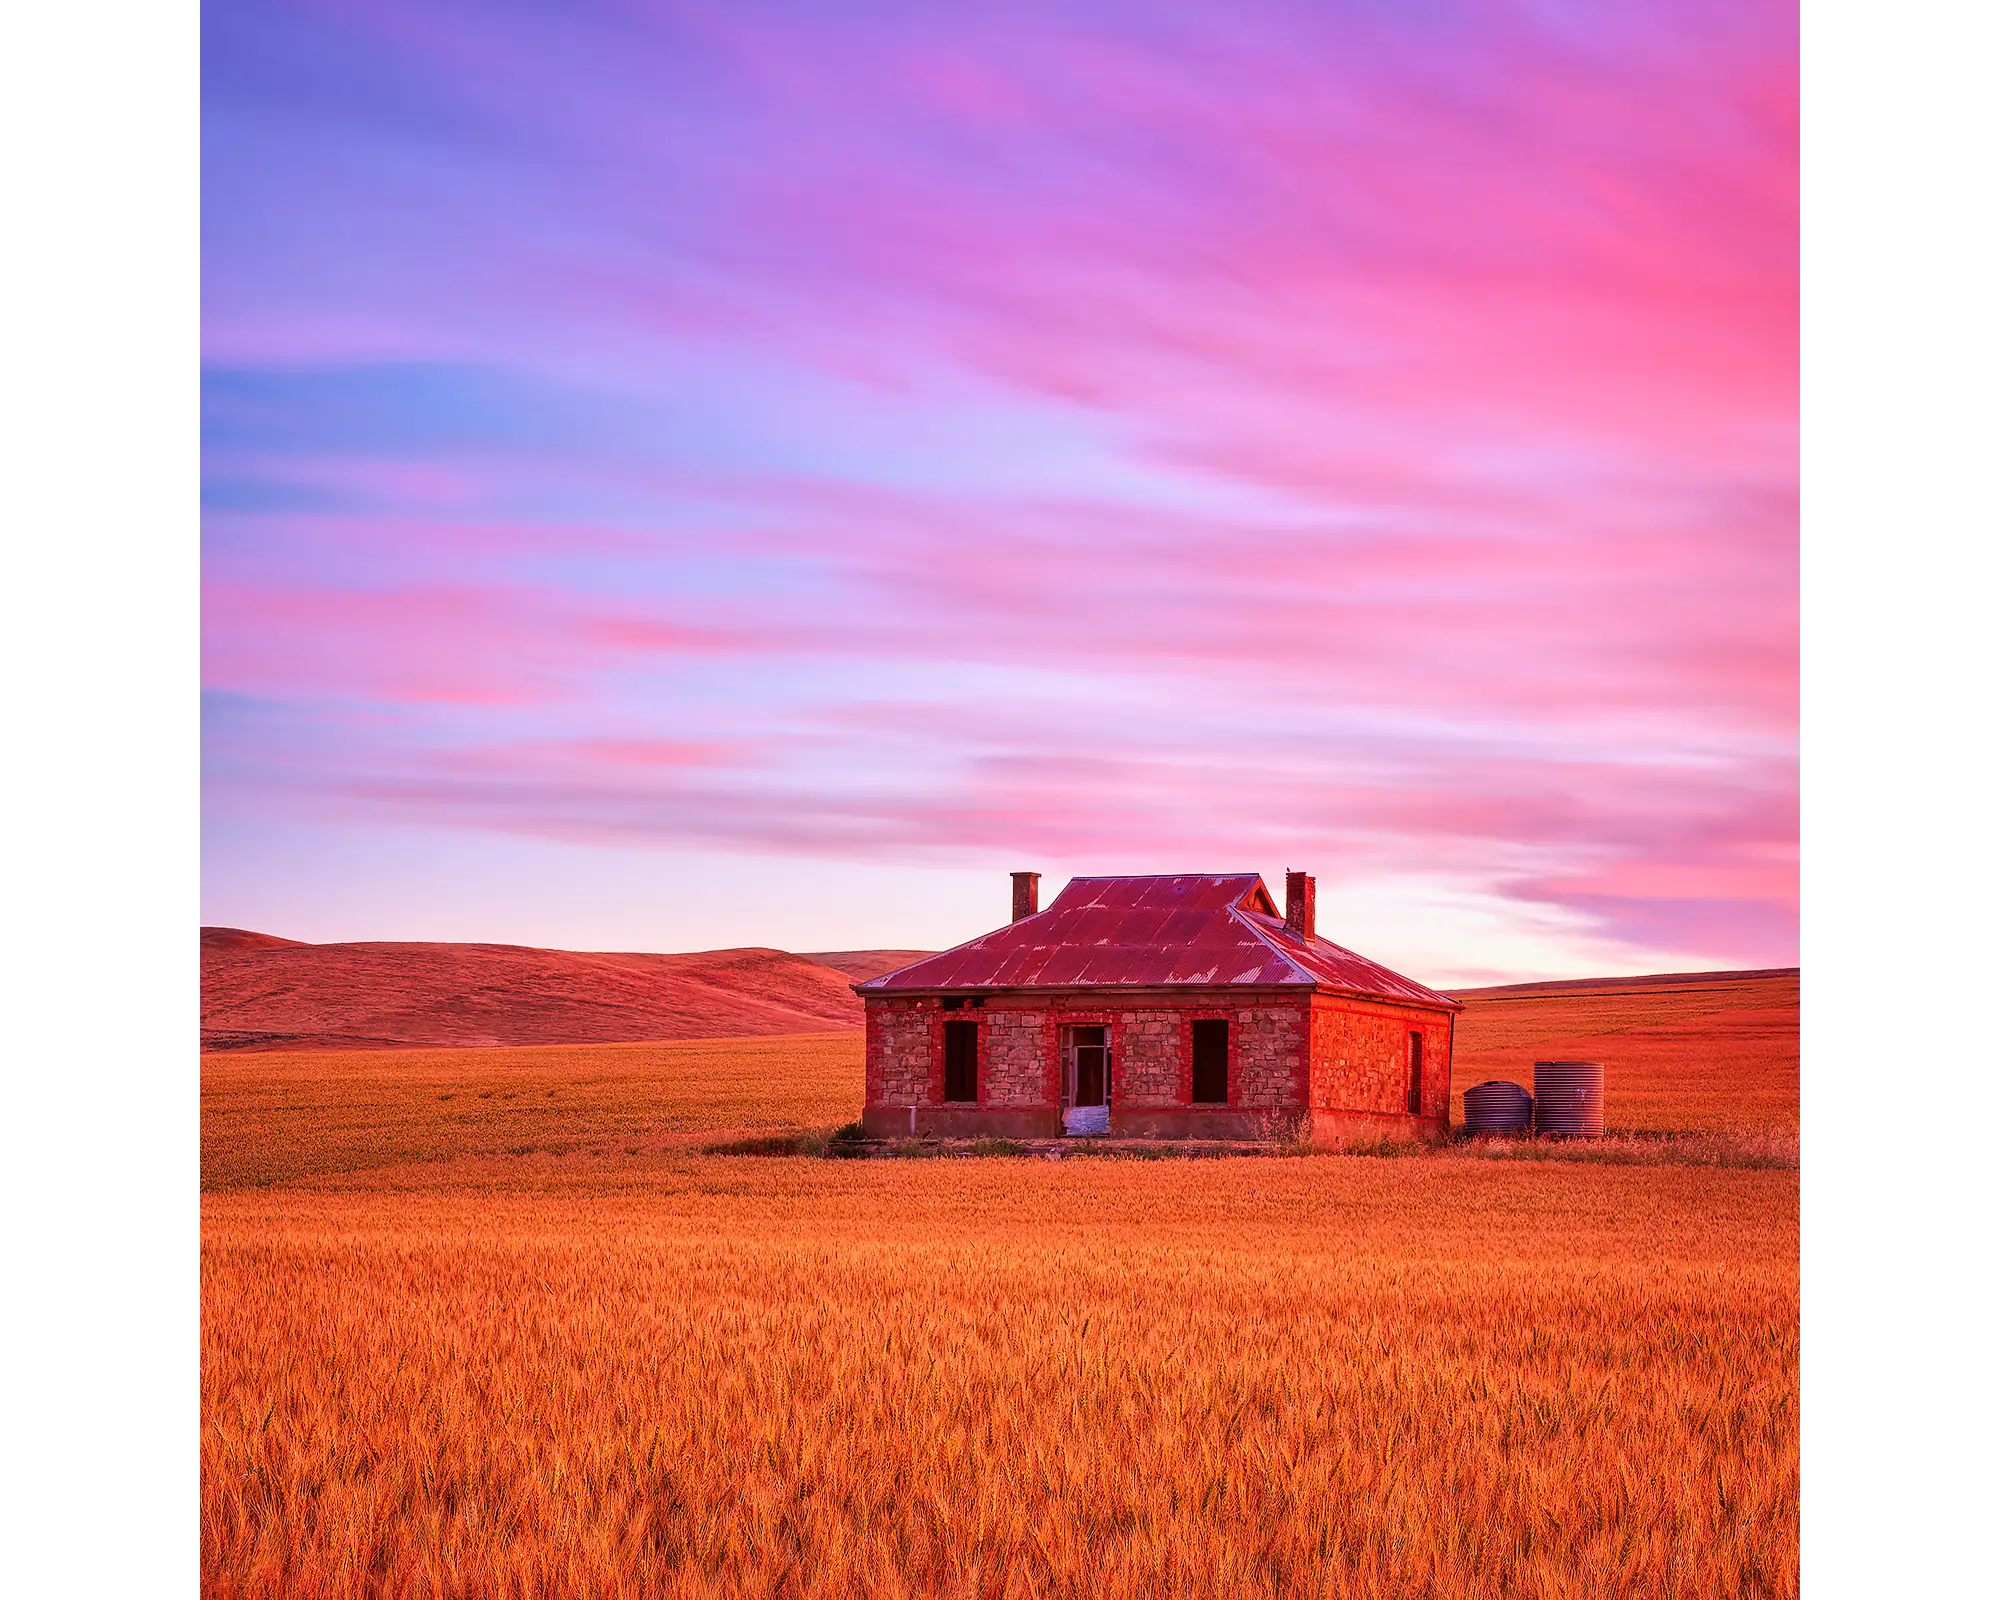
(1215, 929)
(1334, 967)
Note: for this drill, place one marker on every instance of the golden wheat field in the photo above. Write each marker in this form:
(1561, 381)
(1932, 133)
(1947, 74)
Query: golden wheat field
(1720, 1052)
(273, 1117)
(487, 1323)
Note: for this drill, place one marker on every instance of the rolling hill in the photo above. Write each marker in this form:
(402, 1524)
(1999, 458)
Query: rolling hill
(1679, 1049)
(861, 965)
(1723, 1042)
(261, 992)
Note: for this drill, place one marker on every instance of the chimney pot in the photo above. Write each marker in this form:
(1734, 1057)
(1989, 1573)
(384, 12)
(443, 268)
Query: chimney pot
(1300, 892)
(1027, 894)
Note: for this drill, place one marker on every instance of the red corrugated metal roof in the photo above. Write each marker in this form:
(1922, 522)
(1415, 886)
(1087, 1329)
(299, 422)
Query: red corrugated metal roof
(1132, 932)
(1335, 967)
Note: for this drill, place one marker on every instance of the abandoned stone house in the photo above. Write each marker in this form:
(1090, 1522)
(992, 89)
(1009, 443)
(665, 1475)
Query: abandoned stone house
(1156, 1007)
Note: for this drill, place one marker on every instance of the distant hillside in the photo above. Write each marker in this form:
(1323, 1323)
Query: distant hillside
(1679, 1049)
(260, 992)
(243, 939)
(1658, 982)
(861, 965)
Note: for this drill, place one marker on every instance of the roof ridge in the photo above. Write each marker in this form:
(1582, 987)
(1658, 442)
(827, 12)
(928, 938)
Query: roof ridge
(1352, 955)
(1272, 945)
(1157, 877)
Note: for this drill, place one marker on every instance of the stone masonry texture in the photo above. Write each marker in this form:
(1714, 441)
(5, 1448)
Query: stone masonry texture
(1361, 1058)
(1329, 1053)
(900, 1051)
(1270, 1058)
(1150, 1072)
(1011, 1071)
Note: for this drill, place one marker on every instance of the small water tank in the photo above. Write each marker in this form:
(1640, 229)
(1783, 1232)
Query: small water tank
(1569, 1097)
(1498, 1107)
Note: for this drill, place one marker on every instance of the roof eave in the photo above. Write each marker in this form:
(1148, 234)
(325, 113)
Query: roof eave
(1438, 1003)
(866, 986)
(1084, 988)
(1294, 986)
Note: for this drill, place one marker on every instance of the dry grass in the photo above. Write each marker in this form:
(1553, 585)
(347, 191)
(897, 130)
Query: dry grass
(1705, 1056)
(270, 1117)
(539, 1345)
(1709, 1059)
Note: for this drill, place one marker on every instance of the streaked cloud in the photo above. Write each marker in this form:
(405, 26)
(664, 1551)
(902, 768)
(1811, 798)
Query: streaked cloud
(1106, 437)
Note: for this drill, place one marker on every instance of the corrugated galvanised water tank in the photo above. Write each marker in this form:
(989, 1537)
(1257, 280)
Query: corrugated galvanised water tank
(1498, 1107)
(1569, 1097)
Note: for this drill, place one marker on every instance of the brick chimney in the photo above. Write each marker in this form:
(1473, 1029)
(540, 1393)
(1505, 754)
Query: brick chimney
(1027, 894)
(1299, 894)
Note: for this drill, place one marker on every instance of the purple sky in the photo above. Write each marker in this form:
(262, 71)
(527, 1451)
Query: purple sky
(679, 477)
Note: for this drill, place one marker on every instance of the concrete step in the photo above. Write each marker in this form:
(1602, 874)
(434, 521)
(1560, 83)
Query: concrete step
(1087, 1121)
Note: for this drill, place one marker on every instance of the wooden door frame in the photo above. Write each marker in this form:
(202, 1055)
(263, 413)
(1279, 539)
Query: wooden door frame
(1066, 1043)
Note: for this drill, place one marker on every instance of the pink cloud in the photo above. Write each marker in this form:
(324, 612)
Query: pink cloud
(488, 645)
(1414, 393)
(608, 758)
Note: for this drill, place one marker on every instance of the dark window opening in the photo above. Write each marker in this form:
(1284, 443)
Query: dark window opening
(951, 1002)
(961, 1061)
(1416, 1074)
(1211, 1061)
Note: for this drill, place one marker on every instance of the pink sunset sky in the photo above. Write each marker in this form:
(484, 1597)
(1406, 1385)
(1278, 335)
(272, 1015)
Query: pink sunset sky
(756, 473)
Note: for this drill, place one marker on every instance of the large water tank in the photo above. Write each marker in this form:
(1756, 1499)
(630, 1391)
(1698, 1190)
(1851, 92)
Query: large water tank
(1569, 1097)
(1498, 1107)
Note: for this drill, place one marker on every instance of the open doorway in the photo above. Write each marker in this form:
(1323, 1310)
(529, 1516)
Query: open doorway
(1087, 1079)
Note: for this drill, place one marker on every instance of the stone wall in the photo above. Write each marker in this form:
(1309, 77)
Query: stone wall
(900, 1053)
(905, 1054)
(1149, 1067)
(1269, 1064)
(1012, 1050)
(1207, 1122)
(1345, 1056)
(1437, 1032)
(1361, 1058)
